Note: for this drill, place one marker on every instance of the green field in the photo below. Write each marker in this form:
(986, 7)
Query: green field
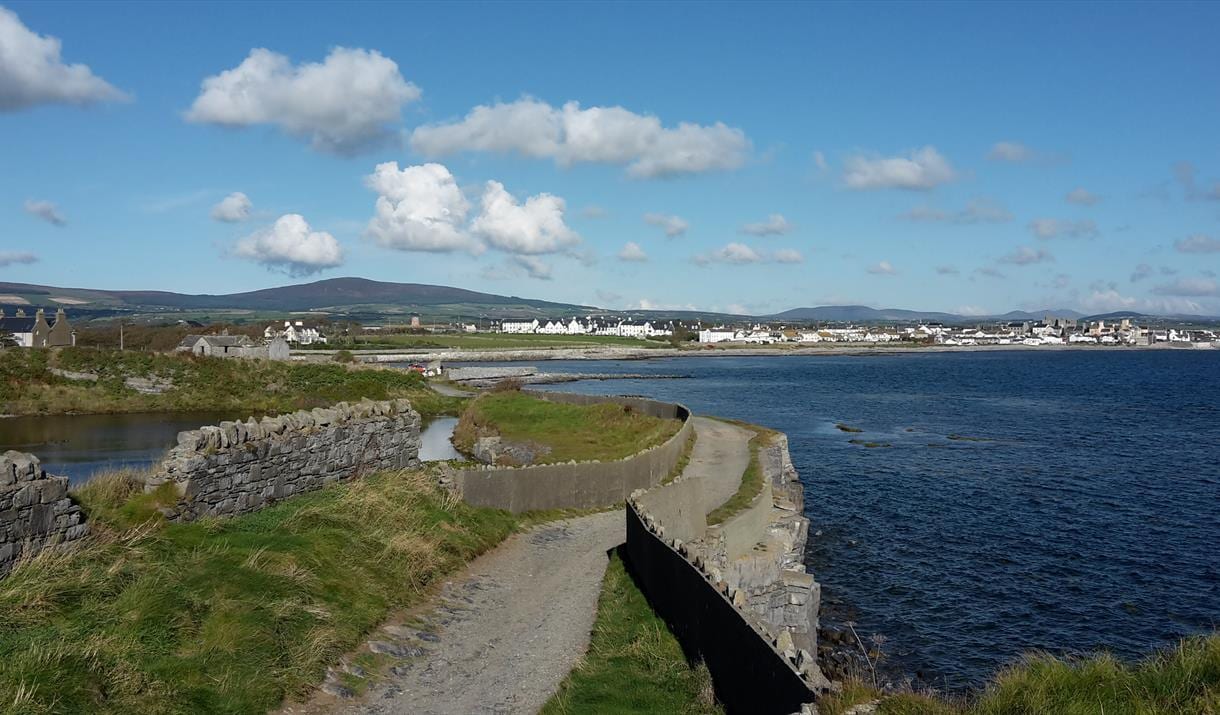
(570, 432)
(229, 615)
(28, 385)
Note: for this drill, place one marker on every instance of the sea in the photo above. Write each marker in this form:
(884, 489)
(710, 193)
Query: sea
(993, 503)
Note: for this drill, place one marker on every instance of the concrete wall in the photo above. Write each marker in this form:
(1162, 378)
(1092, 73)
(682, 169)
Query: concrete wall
(749, 672)
(578, 485)
(35, 510)
(239, 467)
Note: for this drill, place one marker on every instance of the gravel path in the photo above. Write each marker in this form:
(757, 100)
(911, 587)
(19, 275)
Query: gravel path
(720, 457)
(500, 637)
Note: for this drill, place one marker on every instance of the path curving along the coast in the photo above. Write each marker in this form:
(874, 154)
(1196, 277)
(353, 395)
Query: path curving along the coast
(501, 636)
(719, 458)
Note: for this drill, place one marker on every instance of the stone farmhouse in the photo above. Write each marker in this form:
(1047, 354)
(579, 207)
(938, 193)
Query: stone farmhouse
(234, 346)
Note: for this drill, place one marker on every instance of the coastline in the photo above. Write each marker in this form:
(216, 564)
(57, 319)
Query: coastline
(624, 353)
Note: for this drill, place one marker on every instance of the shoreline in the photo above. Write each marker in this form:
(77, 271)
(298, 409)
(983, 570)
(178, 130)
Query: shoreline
(594, 352)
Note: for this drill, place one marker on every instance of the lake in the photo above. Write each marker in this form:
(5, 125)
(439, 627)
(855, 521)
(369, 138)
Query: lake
(1065, 501)
(78, 446)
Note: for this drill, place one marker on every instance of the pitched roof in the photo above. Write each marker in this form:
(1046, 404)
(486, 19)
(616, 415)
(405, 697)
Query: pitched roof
(218, 341)
(17, 325)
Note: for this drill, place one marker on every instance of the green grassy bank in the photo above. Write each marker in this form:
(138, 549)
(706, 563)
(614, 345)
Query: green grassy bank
(28, 386)
(634, 664)
(228, 615)
(580, 432)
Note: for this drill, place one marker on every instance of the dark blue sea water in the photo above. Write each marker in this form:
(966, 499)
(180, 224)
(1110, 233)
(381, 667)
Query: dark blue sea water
(1089, 518)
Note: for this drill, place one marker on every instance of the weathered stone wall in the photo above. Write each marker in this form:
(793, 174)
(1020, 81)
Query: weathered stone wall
(579, 485)
(239, 467)
(754, 561)
(35, 510)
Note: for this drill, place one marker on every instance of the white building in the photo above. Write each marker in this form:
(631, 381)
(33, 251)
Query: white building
(295, 332)
(716, 335)
(519, 326)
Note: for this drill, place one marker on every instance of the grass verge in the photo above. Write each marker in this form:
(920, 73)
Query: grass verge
(751, 479)
(571, 432)
(634, 664)
(1182, 679)
(227, 615)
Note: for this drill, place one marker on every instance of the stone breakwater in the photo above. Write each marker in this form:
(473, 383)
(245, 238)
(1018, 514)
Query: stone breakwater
(752, 567)
(239, 467)
(35, 510)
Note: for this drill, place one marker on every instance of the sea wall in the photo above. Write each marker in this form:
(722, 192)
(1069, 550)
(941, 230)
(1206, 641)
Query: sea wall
(239, 467)
(35, 510)
(579, 485)
(736, 594)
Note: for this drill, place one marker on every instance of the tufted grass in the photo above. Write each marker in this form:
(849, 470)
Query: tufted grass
(634, 664)
(1181, 679)
(579, 432)
(27, 386)
(225, 615)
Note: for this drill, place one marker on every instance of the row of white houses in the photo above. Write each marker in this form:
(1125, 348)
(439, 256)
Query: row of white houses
(576, 326)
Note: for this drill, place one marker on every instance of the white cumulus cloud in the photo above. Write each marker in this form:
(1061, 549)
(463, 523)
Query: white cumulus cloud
(788, 255)
(419, 208)
(673, 226)
(347, 103)
(976, 211)
(1025, 256)
(1010, 151)
(32, 72)
(1047, 228)
(1190, 287)
(632, 253)
(534, 267)
(570, 135)
(292, 247)
(920, 170)
(775, 225)
(537, 226)
(1082, 197)
(13, 258)
(233, 208)
(1198, 243)
(46, 211)
(882, 268)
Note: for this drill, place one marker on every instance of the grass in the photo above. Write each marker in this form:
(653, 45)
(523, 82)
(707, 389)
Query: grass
(634, 664)
(227, 615)
(580, 432)
(27, 385)
(751, 479)
(1182, 679)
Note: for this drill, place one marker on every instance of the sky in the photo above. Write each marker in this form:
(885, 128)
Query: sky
(750, 158)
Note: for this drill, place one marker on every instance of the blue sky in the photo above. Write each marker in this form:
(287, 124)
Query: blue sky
(967, 157)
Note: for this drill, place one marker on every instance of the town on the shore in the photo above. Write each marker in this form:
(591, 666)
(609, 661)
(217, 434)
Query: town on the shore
(26, 330)
(1051, 330)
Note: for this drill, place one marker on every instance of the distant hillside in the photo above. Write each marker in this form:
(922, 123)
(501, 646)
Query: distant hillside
(330, 294)
(864, 314)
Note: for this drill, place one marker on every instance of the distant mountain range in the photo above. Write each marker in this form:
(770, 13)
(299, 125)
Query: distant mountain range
(864, 314)
(363, 299)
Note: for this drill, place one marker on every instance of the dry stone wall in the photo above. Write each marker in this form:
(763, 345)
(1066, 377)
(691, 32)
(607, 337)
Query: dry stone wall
(35, 510)
(239, 467)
